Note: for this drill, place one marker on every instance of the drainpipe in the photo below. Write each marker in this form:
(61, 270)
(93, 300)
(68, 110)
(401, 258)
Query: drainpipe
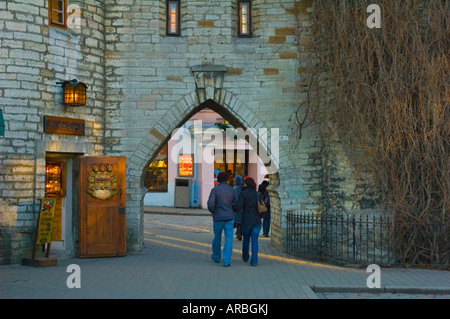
(194, 201)
(196, 186)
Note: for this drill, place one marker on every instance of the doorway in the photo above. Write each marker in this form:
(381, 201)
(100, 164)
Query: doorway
(61, 183)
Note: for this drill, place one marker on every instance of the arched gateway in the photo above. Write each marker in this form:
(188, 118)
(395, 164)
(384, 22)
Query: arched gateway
(208, 93)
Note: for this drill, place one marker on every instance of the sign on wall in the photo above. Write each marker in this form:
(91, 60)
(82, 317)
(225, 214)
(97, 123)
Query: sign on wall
(64, 125)
(186, 165)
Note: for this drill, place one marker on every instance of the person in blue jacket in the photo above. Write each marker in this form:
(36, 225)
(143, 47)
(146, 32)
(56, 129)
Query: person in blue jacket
(220, 203)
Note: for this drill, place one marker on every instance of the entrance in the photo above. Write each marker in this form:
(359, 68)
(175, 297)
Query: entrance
(102, 219)
(231, 109)
(61, 184)
(191, 159)
(232, 162)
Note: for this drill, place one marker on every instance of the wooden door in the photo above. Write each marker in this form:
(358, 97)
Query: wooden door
(102, 194)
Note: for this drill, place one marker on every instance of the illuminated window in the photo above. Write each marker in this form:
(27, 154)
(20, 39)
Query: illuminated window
(57, 16)
(245, 19)
(186, 165)
(157, 174)
(173, 18)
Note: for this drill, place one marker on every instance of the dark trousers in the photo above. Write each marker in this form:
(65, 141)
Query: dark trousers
(266, 223)
(250, 232)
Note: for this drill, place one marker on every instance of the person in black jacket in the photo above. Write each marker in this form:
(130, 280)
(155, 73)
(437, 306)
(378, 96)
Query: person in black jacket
(238, 186)
(262, 189)
(251, 222)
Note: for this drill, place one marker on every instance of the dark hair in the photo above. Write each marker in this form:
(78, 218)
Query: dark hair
(250, 182)
(262, 187)
(222, 177)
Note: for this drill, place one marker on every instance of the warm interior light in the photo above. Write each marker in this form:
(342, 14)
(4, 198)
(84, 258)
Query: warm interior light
(173, 14)
(244, 18)
(74, 93)
(68, 93)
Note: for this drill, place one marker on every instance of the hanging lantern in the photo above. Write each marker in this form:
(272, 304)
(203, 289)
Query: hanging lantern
(74, 93)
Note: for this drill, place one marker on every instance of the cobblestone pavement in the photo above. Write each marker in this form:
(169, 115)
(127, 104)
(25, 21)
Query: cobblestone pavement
(175, 263)
(202, 225)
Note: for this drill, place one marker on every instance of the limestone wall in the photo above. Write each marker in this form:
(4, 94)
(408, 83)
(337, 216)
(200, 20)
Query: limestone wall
(154, 82)
(33, 57)
(141, 85)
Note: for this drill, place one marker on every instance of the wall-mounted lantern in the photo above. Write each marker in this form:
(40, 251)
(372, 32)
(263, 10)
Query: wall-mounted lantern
(2, 124)
(74, 92)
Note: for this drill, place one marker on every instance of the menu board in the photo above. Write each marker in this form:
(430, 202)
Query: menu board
(45, 221)
(186, 165)
(57, 219)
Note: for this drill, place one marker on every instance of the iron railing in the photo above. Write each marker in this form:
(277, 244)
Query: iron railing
(348, 238)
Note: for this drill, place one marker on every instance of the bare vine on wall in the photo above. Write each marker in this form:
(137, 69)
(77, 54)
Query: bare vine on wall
(388, 96)
(308, 81)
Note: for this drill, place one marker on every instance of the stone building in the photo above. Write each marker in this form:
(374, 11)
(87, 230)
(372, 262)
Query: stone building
(148, 66)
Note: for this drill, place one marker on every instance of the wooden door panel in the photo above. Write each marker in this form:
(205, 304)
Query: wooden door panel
(102, 225)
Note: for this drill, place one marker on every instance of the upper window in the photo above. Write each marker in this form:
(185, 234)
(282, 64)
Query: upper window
(173, 18)
(57, 13)
(245, 19)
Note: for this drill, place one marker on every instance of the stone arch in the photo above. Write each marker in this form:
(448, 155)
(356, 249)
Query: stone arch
(209, 93)
(161, 133)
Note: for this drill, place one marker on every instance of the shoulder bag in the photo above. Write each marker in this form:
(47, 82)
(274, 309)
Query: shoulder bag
(262, 208)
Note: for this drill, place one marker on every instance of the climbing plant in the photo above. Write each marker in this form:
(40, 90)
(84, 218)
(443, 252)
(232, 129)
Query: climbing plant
(387, 93)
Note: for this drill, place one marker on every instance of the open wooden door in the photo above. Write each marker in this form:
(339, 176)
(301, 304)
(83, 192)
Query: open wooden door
(102, 194)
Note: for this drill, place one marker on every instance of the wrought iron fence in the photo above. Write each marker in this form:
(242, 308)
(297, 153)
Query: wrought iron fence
(341, 237)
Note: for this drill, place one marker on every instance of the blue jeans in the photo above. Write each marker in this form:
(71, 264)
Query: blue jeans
(250, 231)
(227, 227)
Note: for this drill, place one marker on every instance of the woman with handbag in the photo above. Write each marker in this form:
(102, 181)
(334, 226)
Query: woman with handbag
(251, 220)
(238, 186)
(262, 189)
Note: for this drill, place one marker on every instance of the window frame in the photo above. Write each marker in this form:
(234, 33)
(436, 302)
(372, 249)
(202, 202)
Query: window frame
(249, 19)
(51, 10)
(177, 33)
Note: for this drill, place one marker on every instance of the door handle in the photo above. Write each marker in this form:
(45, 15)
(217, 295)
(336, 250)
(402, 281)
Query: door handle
(121, 210)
